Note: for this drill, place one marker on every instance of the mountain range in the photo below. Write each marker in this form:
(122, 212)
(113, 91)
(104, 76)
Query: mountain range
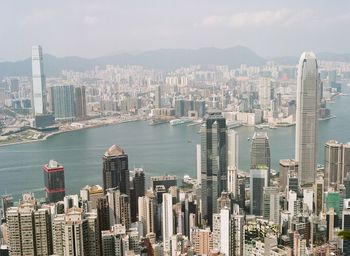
(165, 59)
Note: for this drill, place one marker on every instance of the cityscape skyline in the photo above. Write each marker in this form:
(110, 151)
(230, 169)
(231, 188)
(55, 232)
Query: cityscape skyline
(225, 210)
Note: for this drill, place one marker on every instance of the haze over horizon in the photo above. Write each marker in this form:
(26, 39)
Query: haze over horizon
(92, 29)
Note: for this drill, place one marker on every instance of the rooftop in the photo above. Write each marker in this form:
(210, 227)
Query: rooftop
(114, 150)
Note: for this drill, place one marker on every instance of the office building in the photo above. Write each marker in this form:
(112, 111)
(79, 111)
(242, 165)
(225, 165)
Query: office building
(63, 102)
(286, 167)
(80, 102)
(346, 159)
(232, 162)
(137, 189)
(39, 82)
(347, 185)
(54, 181)
(258, 180)
(232, 181)
(319, 195)
(214, 163)
(333, 164)
(260, 151)
(232, 148)
(167, 221)
(116, 170)
(198, 163)
(179, 107)
(199, 106)
(265, 93)
(157, 97)
(271, 204)
(308, 98)
(346, 226)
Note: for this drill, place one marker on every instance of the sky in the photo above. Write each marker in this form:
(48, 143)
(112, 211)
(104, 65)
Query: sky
(93, 28)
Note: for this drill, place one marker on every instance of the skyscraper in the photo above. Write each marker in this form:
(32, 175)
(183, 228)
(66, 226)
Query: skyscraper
(158, 97)
(308, 98)
(260, 151)
(116, 170)
(265, 92)
(63, 102)
(39, 81)
(54, 181)
(214, 163)
(271, 205)
(232, 148)
(346, 226)
(137, 189)
(258, 180)
(346, 159)
(199, 163)
(167, 221)
(286, 167)
(333, 164)
(80, 102)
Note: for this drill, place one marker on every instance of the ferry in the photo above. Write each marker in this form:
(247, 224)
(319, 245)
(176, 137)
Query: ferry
(180, 121)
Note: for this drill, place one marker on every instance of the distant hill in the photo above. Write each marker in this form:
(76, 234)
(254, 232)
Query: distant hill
(165, 59)
(159, 59)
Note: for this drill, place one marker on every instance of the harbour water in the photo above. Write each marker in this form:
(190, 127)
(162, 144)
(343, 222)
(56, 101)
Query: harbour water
(160, 149)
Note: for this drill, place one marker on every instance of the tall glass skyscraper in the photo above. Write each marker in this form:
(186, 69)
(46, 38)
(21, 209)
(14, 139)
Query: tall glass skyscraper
(214, 163)
(63, 102)
(258, 181)
(116, 170)
(308, 98)
(260, 151)
(39, 81)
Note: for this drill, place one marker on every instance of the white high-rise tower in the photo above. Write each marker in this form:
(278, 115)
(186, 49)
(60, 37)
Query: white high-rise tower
(39, 81)
(308, 98)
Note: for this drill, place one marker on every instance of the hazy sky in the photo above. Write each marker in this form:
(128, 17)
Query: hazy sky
(90, 28)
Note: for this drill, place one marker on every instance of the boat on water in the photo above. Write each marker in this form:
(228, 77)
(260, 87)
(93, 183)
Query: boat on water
(262, 126)
(180, 121)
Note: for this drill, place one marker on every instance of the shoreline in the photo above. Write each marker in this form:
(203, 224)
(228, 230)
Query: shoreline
(47, 136)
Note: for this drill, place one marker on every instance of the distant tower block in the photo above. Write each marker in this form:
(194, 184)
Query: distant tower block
(39, 81)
